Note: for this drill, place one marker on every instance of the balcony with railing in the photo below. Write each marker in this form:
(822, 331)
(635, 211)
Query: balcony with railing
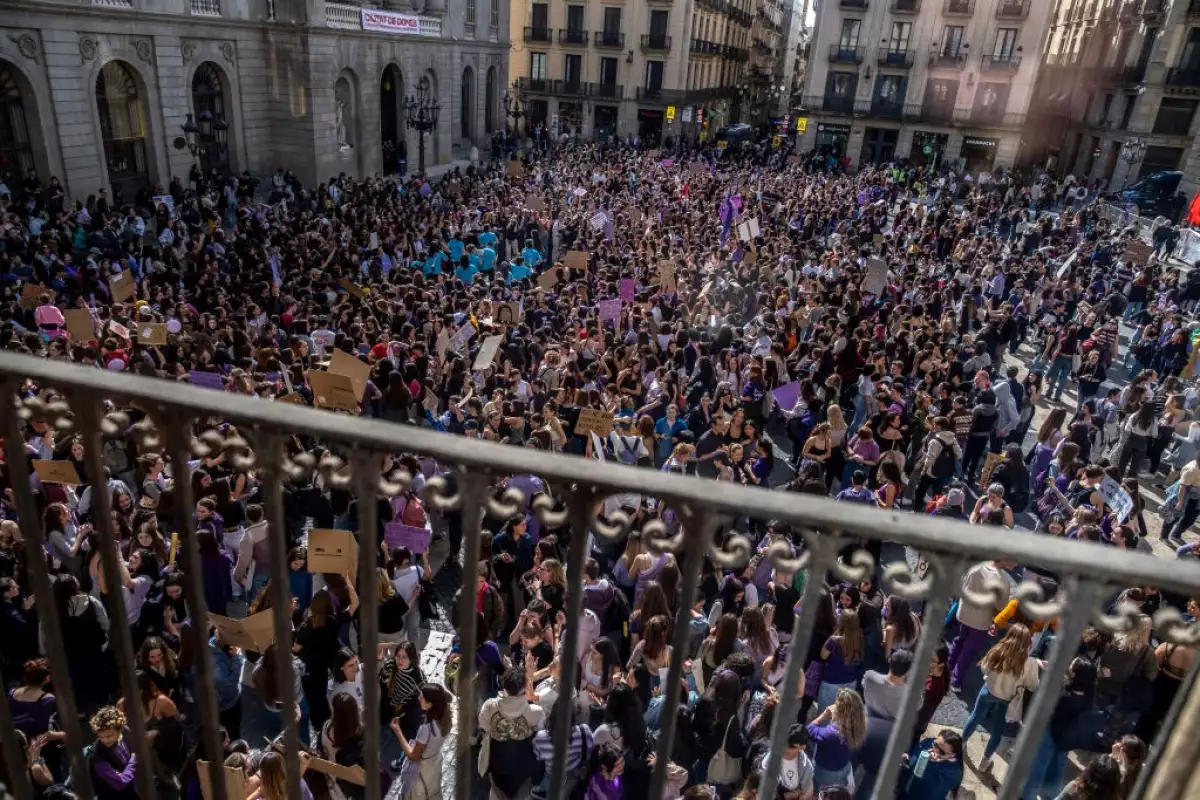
(958, 8)
(542, 35)
(1005, 63)
(710, 521)
(936, 113)
(610, 40)
(858, 5)
(701, 47)
(1153, 10)
(838, 104)
(205, 8)
(987, 118)
(940, 59)
(660, 96)
(890, 109)
(1133, 73)
(606, 91)
(906, 6)
(1012, 9)
(534, 85)
(1193, 8)
(572, 37)
(896, 59)
(656, 43)
(1183, 76)
(840, 54)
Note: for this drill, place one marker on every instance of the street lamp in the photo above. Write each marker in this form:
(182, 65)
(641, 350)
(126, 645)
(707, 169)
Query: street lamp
(422, 115)
(516, 106)
(1132, 151)
(196, 137)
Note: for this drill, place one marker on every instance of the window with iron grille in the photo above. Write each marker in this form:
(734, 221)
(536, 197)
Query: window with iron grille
(469, 16)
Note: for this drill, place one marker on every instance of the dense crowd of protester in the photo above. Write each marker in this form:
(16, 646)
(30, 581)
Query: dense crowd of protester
(884, 337)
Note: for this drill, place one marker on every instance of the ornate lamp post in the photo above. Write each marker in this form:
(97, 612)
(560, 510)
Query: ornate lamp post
(422, 115)
(1132, 151)
(516, 106)
(197, 137)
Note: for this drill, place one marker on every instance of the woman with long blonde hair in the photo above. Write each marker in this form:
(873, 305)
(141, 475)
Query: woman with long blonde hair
(838, 433)
(835, 734)
(843, 654)
(272, 776)
(1008, 670)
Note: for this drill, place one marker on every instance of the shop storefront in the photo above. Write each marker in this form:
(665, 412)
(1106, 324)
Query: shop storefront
(978, 153)
(570, 118)
(604, 121)
(650, 126)
(831, 138)
(879, 145)
(928, 148)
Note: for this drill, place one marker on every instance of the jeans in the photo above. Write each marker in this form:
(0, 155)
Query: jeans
(1185, 520)
(989, 712)
(1132, 310)
(1056, 380)
(965, 650)
(823, 777)
(1046, 774)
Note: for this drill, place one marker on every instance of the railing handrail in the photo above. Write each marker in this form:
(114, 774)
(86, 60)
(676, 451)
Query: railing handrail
(933, 533)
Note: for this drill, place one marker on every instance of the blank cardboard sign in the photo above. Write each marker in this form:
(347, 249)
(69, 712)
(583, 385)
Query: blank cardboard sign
(487, 352)
(353, 368)
(123, 287)
(577, 259)
(56, 472)
(332, 391)
(254, 633)
(235, 782)
(31, 292)
(332, 552)
(79, 324)
(354, 774)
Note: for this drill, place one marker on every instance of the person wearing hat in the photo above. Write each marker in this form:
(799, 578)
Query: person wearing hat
(991, 508)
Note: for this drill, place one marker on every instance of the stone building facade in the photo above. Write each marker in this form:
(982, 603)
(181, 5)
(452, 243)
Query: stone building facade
(97, 92)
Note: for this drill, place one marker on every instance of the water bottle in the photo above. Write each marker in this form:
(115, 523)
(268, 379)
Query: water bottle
(922, 762)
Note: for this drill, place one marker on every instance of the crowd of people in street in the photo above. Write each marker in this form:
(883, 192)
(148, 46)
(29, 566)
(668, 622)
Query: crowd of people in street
(896, 337)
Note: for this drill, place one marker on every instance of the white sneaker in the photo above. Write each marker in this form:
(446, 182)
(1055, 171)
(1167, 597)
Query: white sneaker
(986, 765)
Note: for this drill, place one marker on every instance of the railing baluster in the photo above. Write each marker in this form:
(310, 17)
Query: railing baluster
(946, 574)
(366, 469)
(17, 781)
(1167, 786)
(1083, 598)
(699, 527)
(35, 557)
(579, 517)
(178, 439)
(270, 461)
(823, 555)
(120, 640)
(471, 489)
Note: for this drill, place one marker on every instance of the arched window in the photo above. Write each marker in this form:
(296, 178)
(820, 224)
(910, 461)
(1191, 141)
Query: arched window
(16, 156)
(123, 129)
(208, 104)
(468, 101)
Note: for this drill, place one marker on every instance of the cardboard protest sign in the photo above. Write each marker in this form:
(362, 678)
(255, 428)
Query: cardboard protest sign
(592, 420)
(234, 778)
(355, 774)
(56, 472)
(487, 352)
(353, 368)
(515, 169)
(350, 286)
(31, 292)
(877, 238)
(294, 399)
(1137, 252)
(397, 534)
(548, 279)
(506, 313)
(123, 287)
(577, 259)
(117, 329)
(332, 391)
(332, 551)
(750, 259)
(597, 446)
(535, 202)
(443, 341)
(254, 633)
(152, 333)
(430, 402)
(79, 324)
(462, 336)
(989, 466)
(628, 290)
(666, 276)
(609, 310)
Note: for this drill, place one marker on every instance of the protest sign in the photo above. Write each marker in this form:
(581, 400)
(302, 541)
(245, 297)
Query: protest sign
(31, 292)
(515, 169)
(354, 774)
(1137, 252)
(79, 324)
(535, 202)
(876, 281)
(397, 534)
(487, 352)
(628, 290)
(351, 287)
(609, 310)
(207, 380)
(592, 420)
(123, 287)
(577, 259)
(332, 391)
(462, 336)
(1116, 498)
(332, 551)
(548, 279)
(56, 472)
(234, 778)
(786, 395)
(254, 633)
(443, 341)
(597, 446)
(666, 276)
(152, 333)
(342, 363)
(506, 313)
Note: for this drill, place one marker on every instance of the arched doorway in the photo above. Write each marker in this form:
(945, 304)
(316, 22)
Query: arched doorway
(391, 120)
(208, 104)
(467, 102)
(123, 129)
(489, 109)
(16, 152)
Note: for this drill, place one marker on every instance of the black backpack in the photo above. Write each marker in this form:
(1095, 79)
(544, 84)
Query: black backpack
(615, 624)
(943, 465)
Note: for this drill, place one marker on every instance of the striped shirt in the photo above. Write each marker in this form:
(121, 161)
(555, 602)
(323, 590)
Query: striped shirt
(577, 750)
(405, 685)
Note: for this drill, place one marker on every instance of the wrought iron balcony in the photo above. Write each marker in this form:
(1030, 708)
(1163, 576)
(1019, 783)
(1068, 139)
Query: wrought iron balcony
(463, 487)
(839, 54)
(937, 113)
(1135, 73)
(564, 88)
(534, 85)
(906, 6)
(660, 96)
(940, 59)
(959, 8)
(1009, 63)
(896, 59)
(1012, 9)
(701, 47)
(613, 39)
(572, 37)
(545, 35)
(887, 108)
(838, 104)
(607, 91)
(656, 43)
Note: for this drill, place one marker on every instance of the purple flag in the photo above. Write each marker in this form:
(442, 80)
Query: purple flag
(628, 289)
(609, 309)
(426, 190)
(275, 270)
(725, 210)
(207, 380)
(786, 395)
(397, 534)
(386, 262)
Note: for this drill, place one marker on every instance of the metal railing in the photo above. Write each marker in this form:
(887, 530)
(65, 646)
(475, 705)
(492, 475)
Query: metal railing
(534, 34)
(1090, 573)
(1000, 63)
(940, 59)
(661, 96)
(614, 39)
(1180, 76)
(897, 59)
(959, 8)
(206, 8)
(838, 103)
(906, 6)
(656, 43)
(573, 36)
(1012, 9)
(840, 54)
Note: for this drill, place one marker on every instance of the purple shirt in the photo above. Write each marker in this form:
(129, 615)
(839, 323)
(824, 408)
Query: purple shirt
(868, 449)
(830, 751)
(116, 765)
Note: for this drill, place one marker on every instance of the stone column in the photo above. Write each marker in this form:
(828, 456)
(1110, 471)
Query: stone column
(74, 106)
(904, 143)
(176, 98)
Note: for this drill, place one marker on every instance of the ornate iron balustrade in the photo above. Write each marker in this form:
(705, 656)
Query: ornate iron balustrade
(1090, 573)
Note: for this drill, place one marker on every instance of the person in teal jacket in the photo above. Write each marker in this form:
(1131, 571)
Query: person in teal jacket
(933, 769)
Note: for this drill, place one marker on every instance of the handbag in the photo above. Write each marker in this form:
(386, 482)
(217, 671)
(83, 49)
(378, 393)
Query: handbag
(724, 768)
